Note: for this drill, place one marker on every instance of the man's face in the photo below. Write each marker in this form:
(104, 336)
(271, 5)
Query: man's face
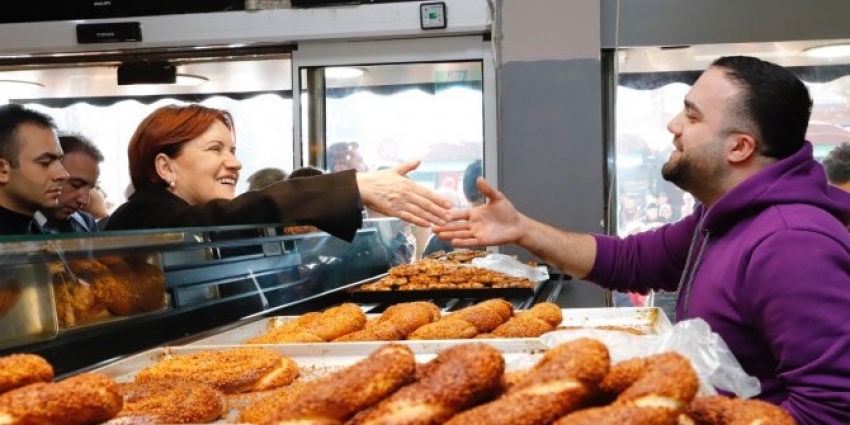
(83, 173)
(37, 181)
(652, 213)
(700, 132)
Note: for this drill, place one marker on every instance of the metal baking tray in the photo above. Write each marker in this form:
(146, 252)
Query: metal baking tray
(316, 360)
(430, 294)
(649, 320)
(394, 296)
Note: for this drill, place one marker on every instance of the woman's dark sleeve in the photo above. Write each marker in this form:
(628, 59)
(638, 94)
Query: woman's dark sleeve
(330, 202)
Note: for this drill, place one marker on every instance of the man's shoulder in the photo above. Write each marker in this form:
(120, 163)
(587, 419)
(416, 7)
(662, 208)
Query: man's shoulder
(13, 223)
(785, 234)
(801, 218)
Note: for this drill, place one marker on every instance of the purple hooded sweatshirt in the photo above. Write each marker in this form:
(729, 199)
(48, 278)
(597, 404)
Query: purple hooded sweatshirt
(768, 267)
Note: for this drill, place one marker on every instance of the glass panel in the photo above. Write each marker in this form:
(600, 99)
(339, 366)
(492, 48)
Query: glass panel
(146, 272)
(380, 116)
(651, 89)
(87, 100)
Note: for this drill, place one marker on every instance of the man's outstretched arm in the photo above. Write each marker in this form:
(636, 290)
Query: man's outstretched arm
(499, 223)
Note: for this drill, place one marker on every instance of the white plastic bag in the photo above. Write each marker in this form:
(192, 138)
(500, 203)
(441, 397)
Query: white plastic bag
(714, 363)
(511, 266)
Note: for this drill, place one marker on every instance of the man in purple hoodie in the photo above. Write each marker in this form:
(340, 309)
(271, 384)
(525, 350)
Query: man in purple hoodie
(765, 258)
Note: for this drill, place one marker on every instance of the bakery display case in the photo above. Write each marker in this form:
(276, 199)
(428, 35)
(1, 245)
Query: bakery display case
(52, 285)
(81, 299)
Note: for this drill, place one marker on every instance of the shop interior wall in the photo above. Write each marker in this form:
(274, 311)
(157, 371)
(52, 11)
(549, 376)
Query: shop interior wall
(550, 118)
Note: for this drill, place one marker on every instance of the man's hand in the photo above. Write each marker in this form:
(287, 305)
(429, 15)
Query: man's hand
(390, 193)
(499, 223)
(494, 223)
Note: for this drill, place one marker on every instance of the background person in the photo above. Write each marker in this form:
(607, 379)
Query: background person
(652, 219)
(184, 170)
(343, 156)
(665, 213)
(82, 161)
(837, 166)
(473, 196)
(688, 205)
(265, 177)
(306, 171)
(31, 174)
(470, 178)
(99, 204)
(764, 259)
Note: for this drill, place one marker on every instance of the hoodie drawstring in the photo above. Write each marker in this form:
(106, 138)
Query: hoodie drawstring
(689, 273)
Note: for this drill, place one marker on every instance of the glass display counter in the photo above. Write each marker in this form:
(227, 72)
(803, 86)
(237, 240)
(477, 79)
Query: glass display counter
(81, 299)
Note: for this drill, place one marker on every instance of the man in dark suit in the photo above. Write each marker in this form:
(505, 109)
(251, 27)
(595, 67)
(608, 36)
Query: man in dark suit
(31, 174)
(82, 161)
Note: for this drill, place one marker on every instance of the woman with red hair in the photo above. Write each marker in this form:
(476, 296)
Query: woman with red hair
(184, 169)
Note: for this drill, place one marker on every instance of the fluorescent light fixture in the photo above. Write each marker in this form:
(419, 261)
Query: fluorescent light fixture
(190, 80)
(18, 88)
(779, 54)
(344, 72)
(21, 56)
(21, 83)
(829, 51)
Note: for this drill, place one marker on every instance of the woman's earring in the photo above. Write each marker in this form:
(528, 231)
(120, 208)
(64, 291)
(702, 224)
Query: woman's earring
(171, 184)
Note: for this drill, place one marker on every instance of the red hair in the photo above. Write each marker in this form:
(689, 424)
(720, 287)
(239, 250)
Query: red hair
(166, 130)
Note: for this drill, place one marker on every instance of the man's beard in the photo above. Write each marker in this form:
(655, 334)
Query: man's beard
(675, 172)
(684, 174)
(693, 174)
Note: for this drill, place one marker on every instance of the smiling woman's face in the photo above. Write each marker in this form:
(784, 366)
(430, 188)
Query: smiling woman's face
(206, 167)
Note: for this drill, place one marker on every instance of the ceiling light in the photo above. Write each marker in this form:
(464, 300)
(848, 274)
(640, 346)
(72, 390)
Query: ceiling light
(344, 72)
(10, 88)
(22, 84)
(190, 80)
(829, 51)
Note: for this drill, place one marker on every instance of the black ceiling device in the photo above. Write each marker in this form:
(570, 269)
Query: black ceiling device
(321, 3)
(112, 32)
(146, 73)
(62, 10)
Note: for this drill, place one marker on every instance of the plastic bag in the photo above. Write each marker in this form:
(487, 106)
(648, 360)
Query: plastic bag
(511, 266)
(714, 363)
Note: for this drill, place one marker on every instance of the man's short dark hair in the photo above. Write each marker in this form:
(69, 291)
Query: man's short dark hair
(11, 118)
(265, 177)
(79, 143)
(837, 164)
(774, 100)
(303, 172)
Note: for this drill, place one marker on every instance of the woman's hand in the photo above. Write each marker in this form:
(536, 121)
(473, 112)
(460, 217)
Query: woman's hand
(391, 193)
